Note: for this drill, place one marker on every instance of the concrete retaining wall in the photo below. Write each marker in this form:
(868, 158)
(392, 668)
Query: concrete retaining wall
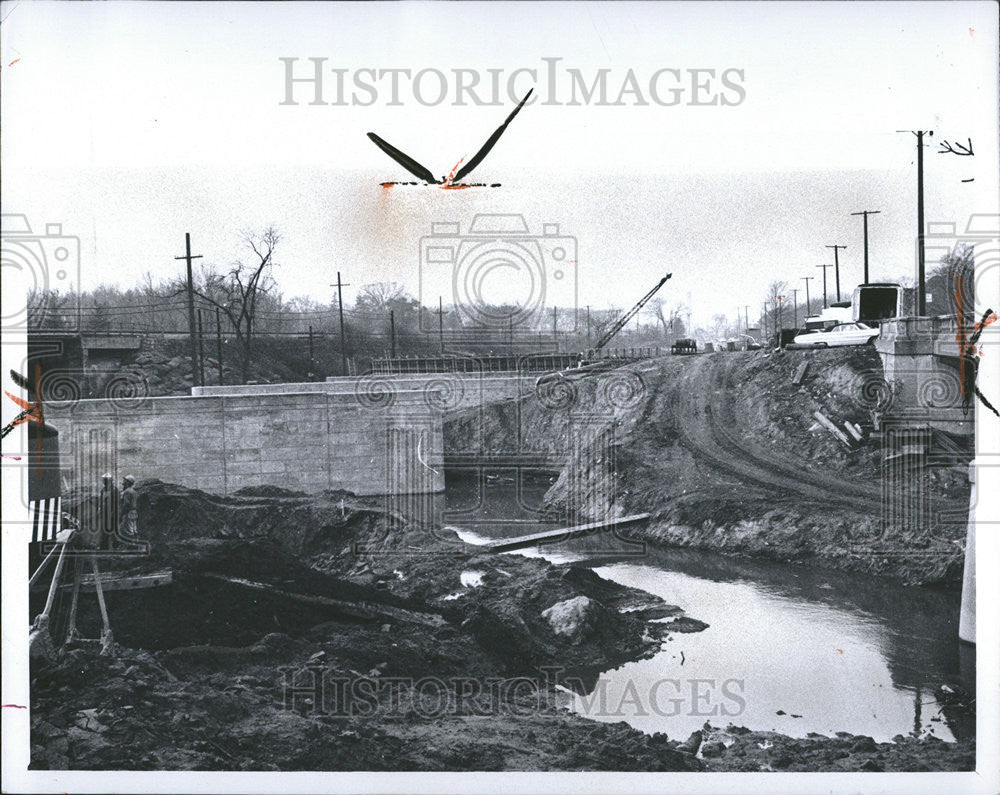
(220, 443)
(920, 361)
(435, 391)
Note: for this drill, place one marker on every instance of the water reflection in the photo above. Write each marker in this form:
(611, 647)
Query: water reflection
(789, 648)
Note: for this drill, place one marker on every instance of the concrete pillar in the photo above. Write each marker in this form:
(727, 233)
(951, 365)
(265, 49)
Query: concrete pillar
(967, 620)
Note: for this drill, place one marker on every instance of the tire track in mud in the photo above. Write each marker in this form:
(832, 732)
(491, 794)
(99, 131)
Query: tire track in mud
(704, 420)
(788, 465)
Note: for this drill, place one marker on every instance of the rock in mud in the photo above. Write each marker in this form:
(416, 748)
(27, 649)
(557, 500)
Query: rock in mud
(575, 619)
(685, 624)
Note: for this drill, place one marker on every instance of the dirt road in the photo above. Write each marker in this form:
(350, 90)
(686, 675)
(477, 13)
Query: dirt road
(703, 413)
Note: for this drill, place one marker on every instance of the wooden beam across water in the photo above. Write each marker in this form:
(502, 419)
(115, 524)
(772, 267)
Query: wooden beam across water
(563, 533)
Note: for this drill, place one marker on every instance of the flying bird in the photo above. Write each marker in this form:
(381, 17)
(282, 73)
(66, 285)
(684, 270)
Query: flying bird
(424, 173)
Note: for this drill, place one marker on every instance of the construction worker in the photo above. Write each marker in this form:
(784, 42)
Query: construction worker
(128, 529)
(107, 510)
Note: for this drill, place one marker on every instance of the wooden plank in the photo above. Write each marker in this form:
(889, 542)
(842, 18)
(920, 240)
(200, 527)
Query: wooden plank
(800, 373)
(854, 430)
(118, 582)
(821, 418)
(562, 533)
(365, 609)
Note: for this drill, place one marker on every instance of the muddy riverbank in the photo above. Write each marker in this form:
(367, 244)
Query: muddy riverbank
(724, 451)
(322, 633)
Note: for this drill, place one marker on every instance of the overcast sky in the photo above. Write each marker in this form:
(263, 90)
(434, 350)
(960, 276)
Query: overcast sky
(133, 123)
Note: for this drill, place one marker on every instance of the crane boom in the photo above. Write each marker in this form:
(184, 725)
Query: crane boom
(624, 319)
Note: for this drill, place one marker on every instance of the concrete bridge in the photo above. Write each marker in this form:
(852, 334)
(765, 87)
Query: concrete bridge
(921, 373)
(383, 434)
(370, 435)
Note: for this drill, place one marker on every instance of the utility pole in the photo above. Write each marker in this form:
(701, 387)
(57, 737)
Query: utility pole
(795, 306)
(746, 316)
(921, 283)
(312, 361)
(218, 340)
(921, 286)
(343, 339)
(808, 279)
(195, 364)
(392, 332)
(865, 214)
(836, 267)
(440, 314)
(201, 352)
(824, 267)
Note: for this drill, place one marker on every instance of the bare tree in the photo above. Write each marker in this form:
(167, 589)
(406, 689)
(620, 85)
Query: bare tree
(720, 327)
(602, 320)
(48, 309)
(656, 310)
(777, 295)
(238, 292)
(951, 284)
(379, 296)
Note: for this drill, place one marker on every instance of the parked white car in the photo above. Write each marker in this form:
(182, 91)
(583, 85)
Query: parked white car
(843, 334)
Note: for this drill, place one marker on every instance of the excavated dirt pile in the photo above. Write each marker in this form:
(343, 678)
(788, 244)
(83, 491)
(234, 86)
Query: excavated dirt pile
(274, 592)
(726, 454)
(325, 632)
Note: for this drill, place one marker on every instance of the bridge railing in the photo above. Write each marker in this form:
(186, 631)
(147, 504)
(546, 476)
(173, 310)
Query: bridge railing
(923, 327)
(540, 362)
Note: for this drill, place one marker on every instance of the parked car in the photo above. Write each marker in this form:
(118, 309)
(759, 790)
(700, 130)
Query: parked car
(843, 334)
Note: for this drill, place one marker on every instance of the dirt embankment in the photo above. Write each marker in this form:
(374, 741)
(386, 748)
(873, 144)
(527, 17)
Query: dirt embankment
(319, 633)
(736, 749)
(725, 453)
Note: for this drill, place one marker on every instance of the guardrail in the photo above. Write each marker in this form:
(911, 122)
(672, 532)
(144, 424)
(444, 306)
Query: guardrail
(530, 362)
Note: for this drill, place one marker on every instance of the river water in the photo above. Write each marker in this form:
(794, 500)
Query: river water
(789, 648)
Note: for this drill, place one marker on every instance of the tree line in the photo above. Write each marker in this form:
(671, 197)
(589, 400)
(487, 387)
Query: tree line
(244, 302)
